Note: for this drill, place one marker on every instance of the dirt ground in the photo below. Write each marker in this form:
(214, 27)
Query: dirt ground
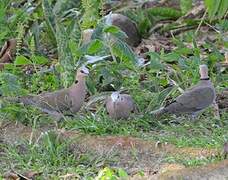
(133, 154)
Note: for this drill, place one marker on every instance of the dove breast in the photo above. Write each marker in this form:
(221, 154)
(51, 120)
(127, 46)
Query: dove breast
(122, 108)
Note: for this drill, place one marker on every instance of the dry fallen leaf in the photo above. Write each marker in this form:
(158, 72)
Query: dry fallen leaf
(31, 174)
(13, 175)
(226, 58)
(7, 52)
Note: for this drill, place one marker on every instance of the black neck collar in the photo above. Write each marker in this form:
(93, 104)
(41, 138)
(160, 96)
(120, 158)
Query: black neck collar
(205, 78)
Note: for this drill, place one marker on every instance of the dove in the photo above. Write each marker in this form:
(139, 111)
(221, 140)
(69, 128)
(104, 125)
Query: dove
(128, 26)
(194, 99)
(120, 106)
(55, 103)
(124, 23)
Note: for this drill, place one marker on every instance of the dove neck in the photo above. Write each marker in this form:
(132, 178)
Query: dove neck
(79, 81)
(205, 79)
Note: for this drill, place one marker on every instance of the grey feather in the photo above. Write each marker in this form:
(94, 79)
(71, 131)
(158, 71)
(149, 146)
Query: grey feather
(69, 99)
(193, 100)
(121, 108)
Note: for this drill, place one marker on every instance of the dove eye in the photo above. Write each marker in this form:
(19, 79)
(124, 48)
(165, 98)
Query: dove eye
(76, 81)
(81, 71)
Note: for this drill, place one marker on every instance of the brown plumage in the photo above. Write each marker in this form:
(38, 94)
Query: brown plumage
(129, 27)
(69, 99)
(124, 23)
(120, 106)
(194, 99)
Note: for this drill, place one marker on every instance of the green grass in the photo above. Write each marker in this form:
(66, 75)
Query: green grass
(149, 86)
(181, 131)
(205, 132)
(50, 157)
(53, 157)
(192, 162)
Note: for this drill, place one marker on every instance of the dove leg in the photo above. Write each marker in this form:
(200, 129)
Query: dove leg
(57, 116)
(194, 115)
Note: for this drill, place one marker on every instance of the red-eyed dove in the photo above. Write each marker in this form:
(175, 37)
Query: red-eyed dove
(124, 23)
(69, 99)
(194, 99)
(128, 26)
(120, 106)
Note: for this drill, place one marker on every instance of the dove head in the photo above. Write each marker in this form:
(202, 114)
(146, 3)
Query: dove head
(82, 72)
(115, 96)
(203, 72)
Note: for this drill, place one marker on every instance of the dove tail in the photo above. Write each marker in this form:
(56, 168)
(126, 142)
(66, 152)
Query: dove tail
(24, 100)
(12, 99)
